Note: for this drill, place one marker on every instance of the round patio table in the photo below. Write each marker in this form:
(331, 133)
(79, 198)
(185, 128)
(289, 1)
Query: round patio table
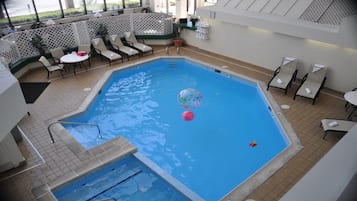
(73, 58)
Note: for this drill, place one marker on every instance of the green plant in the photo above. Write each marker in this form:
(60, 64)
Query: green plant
(37, 42)
(177, 30)
(102, 31)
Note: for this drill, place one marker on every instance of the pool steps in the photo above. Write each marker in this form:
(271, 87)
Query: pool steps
(72, 123)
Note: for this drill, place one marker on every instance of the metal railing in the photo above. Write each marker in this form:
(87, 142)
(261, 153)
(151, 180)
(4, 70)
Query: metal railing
(71, 123)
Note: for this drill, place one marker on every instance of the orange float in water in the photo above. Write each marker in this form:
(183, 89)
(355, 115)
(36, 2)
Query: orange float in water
(253, 144)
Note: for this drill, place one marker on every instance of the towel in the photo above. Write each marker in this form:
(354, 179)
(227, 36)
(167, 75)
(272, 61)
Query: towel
(308, 90)
(96, 41)
(317, 67)
(333, 124)
(113, 37)
(287, 60)
(279, 81)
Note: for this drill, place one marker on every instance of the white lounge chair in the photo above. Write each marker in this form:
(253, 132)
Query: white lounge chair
(119, 46)
(51, 68)
(100, 48)
(336, 125)
(131, 39)
(312, 82)
(284, 74)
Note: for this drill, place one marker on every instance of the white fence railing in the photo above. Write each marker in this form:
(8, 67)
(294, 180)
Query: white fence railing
(17, 45)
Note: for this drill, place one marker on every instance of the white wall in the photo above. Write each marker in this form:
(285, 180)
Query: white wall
(266, 48)
(330, 176)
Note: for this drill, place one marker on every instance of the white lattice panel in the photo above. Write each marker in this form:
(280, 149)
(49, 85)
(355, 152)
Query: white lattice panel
(154, 24)
(9, 51)
(115, 25)
(18, 45)
(81, 32)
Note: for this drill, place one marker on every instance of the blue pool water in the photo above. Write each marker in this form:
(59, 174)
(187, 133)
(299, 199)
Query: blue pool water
(126, 180)
(210, 154)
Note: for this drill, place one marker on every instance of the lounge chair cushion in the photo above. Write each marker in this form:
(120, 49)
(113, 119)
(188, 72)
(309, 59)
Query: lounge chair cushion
(336, 125)
(284, 80)
(309, 89)
(130, 36)
(142, 47)
(118, 45)
(111, 55)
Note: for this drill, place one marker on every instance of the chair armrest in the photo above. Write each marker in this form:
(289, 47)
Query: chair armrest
(305, 77)
(277, 71)
(97, 50)
(294, 75)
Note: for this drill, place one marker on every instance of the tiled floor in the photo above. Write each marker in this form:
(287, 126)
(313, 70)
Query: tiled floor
(51, 161)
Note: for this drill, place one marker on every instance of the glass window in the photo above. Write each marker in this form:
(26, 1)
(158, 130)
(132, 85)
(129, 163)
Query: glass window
(131, 3)
(166, 6)
(72, 7)
(191, 7)
(95, 5)
(172, 7)
(19, 11)
(161, 6)
(210, 2)
(114, 4)
(48, 9)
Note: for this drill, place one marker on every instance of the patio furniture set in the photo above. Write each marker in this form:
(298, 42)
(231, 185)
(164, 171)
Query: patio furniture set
(119, 50)
(310, 87)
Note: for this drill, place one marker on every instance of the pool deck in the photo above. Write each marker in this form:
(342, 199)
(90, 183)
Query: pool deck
(46, 162)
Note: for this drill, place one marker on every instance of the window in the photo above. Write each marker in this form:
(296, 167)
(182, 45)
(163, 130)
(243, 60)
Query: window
(95, 5)
(48, 9)
(166, 6)
(132, 3)
(72, 7)
(210, 2)
(191, 7)
(19, 11)
(114, 4)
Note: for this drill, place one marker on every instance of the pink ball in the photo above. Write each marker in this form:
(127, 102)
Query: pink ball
(188, 115)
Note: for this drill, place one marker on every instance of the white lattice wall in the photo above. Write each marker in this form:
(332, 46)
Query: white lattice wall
(69, 35)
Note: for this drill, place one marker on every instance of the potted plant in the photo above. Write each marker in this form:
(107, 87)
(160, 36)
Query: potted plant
(102, 32)
(178, 41)
(37, 42)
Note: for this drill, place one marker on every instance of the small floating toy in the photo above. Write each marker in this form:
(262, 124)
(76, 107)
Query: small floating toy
(253, 144)
(188, 115)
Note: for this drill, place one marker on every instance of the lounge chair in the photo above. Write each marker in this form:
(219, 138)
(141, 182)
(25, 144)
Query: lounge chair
(100, 48)
(57, 53)
(284, 74)
(312, 82)
(51, 68)
(119, 46)
(133, 42)
(87, 49)
(336, 125)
